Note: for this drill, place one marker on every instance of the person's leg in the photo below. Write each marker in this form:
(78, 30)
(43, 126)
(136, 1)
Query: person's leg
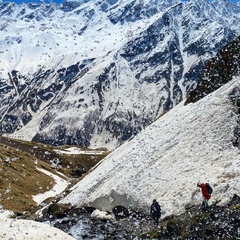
(205, 205)
(155, 221)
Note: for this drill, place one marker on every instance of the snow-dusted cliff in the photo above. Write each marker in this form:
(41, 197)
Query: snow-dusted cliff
(95, 73)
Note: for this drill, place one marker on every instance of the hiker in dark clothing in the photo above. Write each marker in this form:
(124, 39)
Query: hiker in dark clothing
(235, 140)
(155, 212)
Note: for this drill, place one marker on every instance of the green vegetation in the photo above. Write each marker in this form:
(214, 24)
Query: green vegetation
(20, 179)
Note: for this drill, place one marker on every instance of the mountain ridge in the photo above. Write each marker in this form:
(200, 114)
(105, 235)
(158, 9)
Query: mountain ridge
(98, 83)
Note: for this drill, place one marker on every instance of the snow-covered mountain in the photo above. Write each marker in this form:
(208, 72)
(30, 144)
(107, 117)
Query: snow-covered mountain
(95, 73)
(167, 159)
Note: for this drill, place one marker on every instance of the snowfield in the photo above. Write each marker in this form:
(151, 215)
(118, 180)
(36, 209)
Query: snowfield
(15, 229)
(166, 160)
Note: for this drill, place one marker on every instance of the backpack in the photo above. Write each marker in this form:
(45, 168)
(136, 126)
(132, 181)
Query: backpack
(209, 188)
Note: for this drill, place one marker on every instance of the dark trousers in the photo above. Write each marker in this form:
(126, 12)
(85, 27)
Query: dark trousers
(155, 221)
(205, 205)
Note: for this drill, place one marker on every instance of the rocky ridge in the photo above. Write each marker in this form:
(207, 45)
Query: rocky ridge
(140, 59)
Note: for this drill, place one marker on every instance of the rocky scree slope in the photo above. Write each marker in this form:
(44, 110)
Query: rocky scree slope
(220, 222)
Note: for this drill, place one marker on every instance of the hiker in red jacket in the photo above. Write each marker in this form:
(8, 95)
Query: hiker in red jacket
(206, 192)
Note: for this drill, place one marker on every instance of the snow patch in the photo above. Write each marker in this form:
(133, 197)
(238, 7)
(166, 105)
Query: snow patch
(28, 230)
(59, 187)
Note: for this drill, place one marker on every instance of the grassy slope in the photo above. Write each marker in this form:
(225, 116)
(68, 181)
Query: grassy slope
(19, 177)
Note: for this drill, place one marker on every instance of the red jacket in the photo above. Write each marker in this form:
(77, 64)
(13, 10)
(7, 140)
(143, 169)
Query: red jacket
(205, 191)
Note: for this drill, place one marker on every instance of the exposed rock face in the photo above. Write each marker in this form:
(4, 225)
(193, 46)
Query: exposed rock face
(218, 71)
(100, 75)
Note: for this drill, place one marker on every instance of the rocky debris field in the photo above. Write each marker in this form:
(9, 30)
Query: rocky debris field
(219, 222)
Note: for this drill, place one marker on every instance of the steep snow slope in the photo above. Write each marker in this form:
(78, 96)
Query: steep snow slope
(167, 159)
